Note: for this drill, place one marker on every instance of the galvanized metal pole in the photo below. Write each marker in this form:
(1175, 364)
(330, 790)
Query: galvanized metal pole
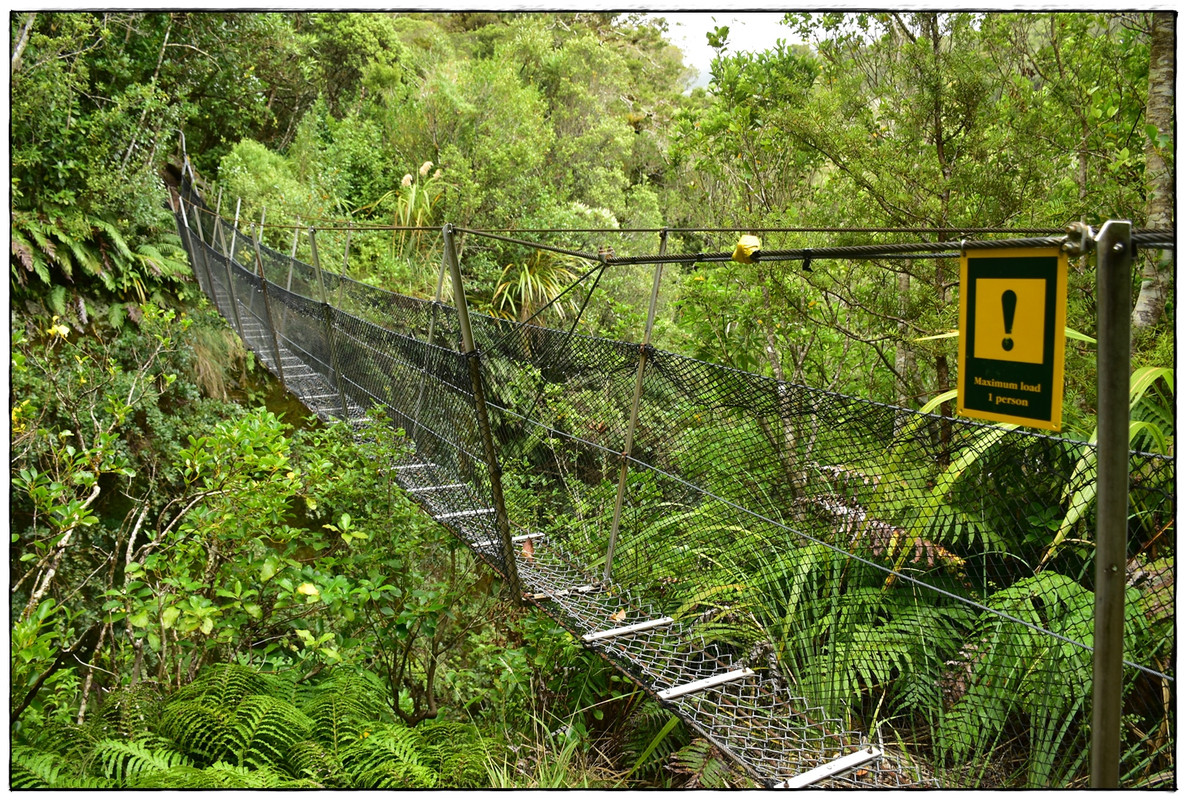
(1113, 295)
(327, 316)
(216, 230)
(345, 267)
(193, 255)
(230, 282)
(263, 286)
(202, 238)
(643, 352)
(432, 321)
(198, 217)
(296, 232)
(475, 374)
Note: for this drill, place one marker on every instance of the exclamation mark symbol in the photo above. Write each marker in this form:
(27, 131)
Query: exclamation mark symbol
(1009, 306)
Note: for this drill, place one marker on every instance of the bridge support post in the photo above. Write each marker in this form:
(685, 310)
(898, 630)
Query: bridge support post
(296, 232)
(432, 321)
(263, 287)
(345, 266)
(643, 351)
(475, 374)
(1114, 287)
(216, 229)
(203, 280)
(327, 316)
(230, 281)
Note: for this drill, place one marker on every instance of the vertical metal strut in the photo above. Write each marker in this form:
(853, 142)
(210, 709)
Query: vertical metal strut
(432, 321)
(1113, 290)
(193, 251)
(230, 280)
(327, 314)
(263, 286)
(643, 352)
(475, 375)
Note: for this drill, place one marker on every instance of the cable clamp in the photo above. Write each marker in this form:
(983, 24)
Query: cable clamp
(475, 353)
(1080, 240)
(807, 260)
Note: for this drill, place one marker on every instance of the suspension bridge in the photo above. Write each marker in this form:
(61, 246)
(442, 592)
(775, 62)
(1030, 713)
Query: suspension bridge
(817, 584)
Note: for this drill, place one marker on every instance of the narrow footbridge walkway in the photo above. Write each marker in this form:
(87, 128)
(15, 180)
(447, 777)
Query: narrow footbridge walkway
(786, 569)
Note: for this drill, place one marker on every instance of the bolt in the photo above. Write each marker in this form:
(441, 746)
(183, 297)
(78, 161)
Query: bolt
(1115, 568)
(1118, 248)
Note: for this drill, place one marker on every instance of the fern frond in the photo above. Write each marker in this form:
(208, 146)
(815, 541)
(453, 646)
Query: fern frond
(389, 758)
(314, 761)
(34, 769)
(456, 751)
(225, 685)
(704, 767)
(128, 712)
(198, 728)
(219, 776)
(342, 708)
(122, 760)
(114, 237)
(263, 730)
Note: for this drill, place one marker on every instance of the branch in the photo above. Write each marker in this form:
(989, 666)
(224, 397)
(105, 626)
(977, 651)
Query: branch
(22, 41)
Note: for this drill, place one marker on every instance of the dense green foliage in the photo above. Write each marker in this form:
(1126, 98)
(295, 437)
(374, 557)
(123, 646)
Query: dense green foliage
(180, 536)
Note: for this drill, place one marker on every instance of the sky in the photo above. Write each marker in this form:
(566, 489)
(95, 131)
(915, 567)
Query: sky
(752, 32)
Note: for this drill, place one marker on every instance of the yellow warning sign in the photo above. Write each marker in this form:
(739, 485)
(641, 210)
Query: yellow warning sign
(1010, 319)
(1012, 335)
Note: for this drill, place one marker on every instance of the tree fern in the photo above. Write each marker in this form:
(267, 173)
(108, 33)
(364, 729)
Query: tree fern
(35, 769)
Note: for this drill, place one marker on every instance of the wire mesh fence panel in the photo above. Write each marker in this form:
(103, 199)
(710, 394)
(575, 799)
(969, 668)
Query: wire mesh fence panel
(834, 591)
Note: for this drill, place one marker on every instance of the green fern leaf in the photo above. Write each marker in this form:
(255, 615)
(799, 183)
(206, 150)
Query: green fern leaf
(219, 776)
(456, 752)
(34, 769)
(199, 728)
(314, 761)
(264, 728)
(121, 760)
(225, 685)
(390, 757)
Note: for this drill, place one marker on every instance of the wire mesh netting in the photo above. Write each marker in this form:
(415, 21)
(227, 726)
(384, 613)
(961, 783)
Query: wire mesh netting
(835, 592)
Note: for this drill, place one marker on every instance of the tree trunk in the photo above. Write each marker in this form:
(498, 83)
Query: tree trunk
(1159, 173)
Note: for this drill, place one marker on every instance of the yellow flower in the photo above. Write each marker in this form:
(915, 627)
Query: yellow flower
(58, 330)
